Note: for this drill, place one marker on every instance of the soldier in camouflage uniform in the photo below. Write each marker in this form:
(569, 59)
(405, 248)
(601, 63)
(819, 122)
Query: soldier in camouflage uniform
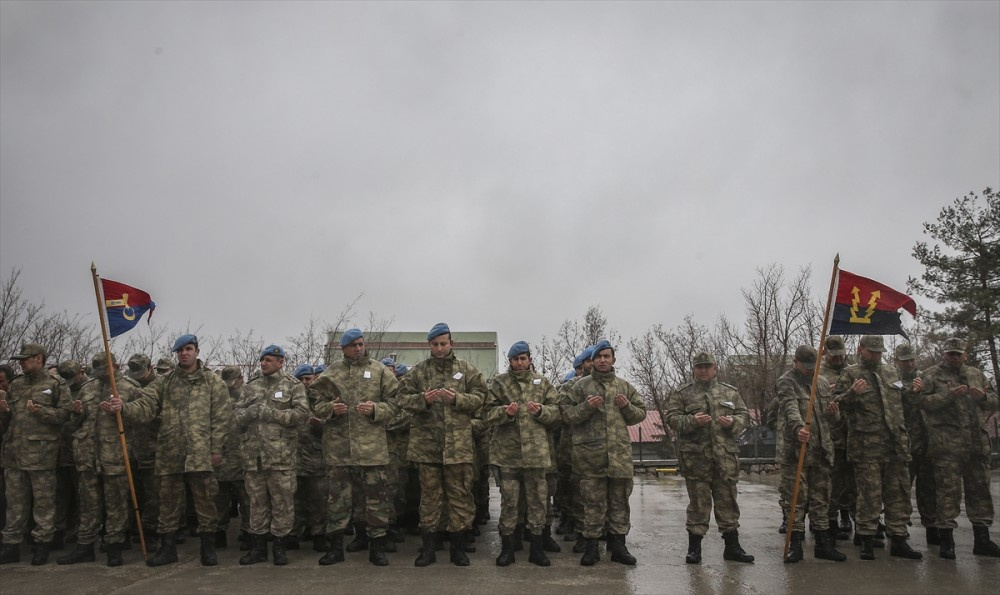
(521, 405)
(869, 393)
(229, 474)
(356, 399)
(600, 407)
(403, 484)
(957, 399)
(100, 465)
(707, 416)
(270, 411)
(34, 412)
(921, 467)
(142, 449)
(775, 421)
(313, 487)
(67, 479)
(6, 375)
(814, 487)
(842, 494)
(195, 417)
(443, 392)
(571, 506)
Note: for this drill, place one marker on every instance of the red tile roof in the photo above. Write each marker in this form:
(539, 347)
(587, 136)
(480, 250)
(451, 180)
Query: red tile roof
(652, 428)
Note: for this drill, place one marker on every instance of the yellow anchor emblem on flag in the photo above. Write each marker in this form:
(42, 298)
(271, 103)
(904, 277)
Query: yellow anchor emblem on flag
(127, 312)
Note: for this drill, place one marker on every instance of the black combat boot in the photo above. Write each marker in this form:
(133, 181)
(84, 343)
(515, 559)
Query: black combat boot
(279, 551)
(221, 540)
(321, 543)
(80, 553)
(536, 551)
(619, 553)
(244, 541)
(469, 540)
(591, 552)
(39, 554)
(208, 557)
(694, 549)
(549, 544)
(795, 548)
(867, 543)
(570, 533)
(783, 527)
(733, 549)
(901, 549)
(458, 556)
(426, 556)
(518, 537)
(115, 554)
(335, 550)
(360, 541)
(825, 547)
(506, 557)
(258, 551)
(376, 551)
(394, 534)
(10, 553)
(167, 552)
(439, 540)
(933, 536)
(983, 546)
(292, 542)
(947, 542)
(581, 544)
(876, 542)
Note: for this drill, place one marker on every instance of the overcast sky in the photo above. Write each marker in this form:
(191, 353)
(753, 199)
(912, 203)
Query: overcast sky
(498, 166)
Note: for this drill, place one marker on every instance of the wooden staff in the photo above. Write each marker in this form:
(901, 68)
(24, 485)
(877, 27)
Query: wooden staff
(118, 414)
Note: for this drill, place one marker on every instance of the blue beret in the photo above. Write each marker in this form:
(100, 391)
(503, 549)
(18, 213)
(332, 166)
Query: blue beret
(583, 357)
(303, 370)
(601, 346)
(350, 335)
(274, 350)
(437, 330)
(388, 361)
(569, 376)
(517, 349)
(319, 369)
(401, 369)
(184, 340)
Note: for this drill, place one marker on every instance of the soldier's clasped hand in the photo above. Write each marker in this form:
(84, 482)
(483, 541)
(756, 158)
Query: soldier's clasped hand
(621, 400)
(804, 435)
(860, 385)
(595, 401)
(702, 419)
(512, 409)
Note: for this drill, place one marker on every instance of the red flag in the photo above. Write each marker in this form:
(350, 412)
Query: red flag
(866, 307)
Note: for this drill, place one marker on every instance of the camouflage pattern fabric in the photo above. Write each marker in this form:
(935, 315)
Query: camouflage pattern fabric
(272, 501)
(522, 488)
(814, 495)
(605, 505)
(521, 441)
(271, 410)
(373, 484)
(172, 498)
(446, 497)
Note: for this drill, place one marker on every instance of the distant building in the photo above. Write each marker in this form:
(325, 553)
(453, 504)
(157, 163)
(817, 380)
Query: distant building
(410, 348)
(647, 438)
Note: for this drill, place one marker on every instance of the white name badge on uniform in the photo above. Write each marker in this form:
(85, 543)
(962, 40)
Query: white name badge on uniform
(47, 391)
(278, 395)
(728, 404)
(898, 385)
(368, 374)
(457, 376)
(536, 381)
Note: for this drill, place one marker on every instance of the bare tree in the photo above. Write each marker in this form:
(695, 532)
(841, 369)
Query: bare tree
(377, 333)
(555, 356)
(307, 346)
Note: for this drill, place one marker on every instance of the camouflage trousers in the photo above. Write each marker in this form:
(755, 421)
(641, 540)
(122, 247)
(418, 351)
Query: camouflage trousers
(522, 489)
(30, 493)
(605, 504)
(311, 501)
(91, 505)
(974, 474)
(272, 501)
(922, 474)
(230, 491)
(172, 500)
(882, 485)
(103, 500)
(362, 484)
(843, 495)
(446, 488)
(814, 495)
(147, 487)
(703, 496)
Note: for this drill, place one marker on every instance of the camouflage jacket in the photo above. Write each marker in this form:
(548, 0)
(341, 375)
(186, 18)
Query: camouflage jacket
(775, 421)
(142, 440)
(521, 441)
(231, 468)
(32, 439)
(838, 429)
(195, 417)
(354, 438)
(310, 446)
(96, 445)
(793, 394)
(601, 444)
(703, 451)
(956, 426)
(876, 427)
(913, 414)
(269, 414)
(442, 432)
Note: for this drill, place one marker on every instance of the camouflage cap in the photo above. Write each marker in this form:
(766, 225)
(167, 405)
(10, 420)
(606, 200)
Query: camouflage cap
(69, 368)
(953, 345)
(231, 374)
(29, 350)
(806, 355)
(905, 352)
(100, 361)
(165, 364)
(872, 343)
(703, 357)
(138, 365)
(835, 345)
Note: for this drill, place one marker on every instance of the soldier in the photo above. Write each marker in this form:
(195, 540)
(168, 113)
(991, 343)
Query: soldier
(707, 416)
(814, 487)
(100, 465)
(272, 408)
(869, 392)
(921, 467)
(568, 485)
(842, 495)
(34, 412)
(403, 484)
(165, 365)
(956, 400)
(142, 448)
(229, 475)
(313, 487)
(599, 408)
(521, 405)
(775, 421)
(195, 417)
(6, 375)
(443, 392)
(67, 479)
(356, 399)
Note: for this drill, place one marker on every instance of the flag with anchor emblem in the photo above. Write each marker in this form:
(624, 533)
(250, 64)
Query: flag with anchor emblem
(125, 306)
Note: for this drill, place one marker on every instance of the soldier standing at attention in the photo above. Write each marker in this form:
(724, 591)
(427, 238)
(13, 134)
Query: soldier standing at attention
(522, 404)
(356, 399)
(195, 417)
(921, 467)
(271, 410)
(443, 392)
(956, 400)
(599, 408)
(843, 499)
(34, 413)
(707, 416)
(870, 393)
(570, 505)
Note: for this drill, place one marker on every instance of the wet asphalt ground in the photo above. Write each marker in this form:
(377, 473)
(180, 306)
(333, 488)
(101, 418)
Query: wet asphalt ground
(657, 539)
